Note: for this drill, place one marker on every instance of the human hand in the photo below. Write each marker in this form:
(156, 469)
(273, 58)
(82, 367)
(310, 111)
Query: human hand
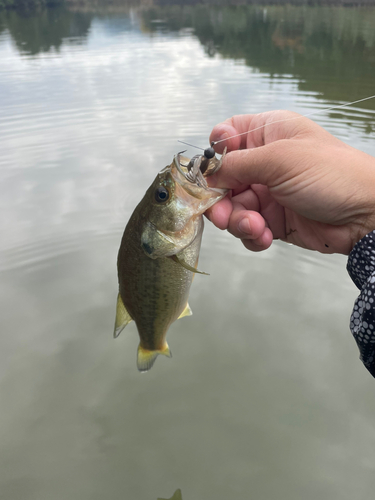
(292, 181)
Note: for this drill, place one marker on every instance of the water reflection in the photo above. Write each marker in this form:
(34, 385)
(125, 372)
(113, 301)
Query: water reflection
(264, 396)
(338, 43)
(36, 32)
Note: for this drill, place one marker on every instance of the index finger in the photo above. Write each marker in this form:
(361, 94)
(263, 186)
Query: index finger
(252, 131)
(250, 166)
(225, 134)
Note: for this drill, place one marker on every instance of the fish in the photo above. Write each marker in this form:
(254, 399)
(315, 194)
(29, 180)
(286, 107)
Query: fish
(159, 252)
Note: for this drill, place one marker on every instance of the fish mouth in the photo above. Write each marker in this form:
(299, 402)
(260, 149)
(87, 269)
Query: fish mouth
(199, 166)
(194, 188)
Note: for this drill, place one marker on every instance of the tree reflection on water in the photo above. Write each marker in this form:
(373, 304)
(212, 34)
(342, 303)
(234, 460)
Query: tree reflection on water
(303, 42)
(330, 50)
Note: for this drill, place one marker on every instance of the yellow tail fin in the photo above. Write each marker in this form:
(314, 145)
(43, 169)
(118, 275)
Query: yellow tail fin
(146, 358)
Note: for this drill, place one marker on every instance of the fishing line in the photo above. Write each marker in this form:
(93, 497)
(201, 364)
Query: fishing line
(213, 143)
(293, 118)
(182, 142)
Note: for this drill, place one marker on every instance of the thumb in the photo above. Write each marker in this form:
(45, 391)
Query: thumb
(259, 165)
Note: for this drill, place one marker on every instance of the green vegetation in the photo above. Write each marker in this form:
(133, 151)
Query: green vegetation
(28, 4)
(82, 4)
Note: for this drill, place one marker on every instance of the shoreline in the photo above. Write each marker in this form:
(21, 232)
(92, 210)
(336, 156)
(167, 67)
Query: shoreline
(22, 5)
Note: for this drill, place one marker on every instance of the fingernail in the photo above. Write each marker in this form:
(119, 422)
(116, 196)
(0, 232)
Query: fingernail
(244, 226)
(223, 136)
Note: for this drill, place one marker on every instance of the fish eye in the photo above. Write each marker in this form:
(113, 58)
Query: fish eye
(161, 194)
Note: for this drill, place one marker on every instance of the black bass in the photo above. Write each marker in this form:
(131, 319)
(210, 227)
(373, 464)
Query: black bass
(159, 252)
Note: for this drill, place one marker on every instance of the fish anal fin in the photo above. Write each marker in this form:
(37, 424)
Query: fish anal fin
(186, 312)
(146, 358)
(186, 265)
(122, 317)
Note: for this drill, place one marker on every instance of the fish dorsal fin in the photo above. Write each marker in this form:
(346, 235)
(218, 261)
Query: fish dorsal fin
(186, 265)
(146, 358)
(122, 317)
(186, 312)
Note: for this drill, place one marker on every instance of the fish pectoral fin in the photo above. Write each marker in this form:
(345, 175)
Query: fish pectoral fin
(186, 265)
(146, 358)
(186, 312)
(122, 317)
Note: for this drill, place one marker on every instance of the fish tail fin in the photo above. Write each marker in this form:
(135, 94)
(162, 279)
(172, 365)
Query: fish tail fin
(146, 358)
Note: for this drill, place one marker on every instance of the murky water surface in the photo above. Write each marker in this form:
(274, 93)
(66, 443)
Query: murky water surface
(264, 397)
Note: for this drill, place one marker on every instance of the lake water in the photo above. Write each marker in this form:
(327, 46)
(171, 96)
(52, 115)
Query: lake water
(265, 397)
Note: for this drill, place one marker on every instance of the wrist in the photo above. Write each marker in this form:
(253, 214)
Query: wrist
(364, 186)
(363, 228)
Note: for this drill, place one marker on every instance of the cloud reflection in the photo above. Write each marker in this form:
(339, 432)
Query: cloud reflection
(264, 395)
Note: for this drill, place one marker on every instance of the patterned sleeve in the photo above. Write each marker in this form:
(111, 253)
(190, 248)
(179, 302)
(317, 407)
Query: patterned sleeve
(361, 268)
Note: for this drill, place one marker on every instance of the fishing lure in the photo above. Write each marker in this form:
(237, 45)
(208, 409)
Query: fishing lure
(199, 165)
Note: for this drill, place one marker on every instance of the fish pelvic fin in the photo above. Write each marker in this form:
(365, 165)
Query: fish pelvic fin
(146, 358)
(122, 317)
(186, 312)
(186, 265)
